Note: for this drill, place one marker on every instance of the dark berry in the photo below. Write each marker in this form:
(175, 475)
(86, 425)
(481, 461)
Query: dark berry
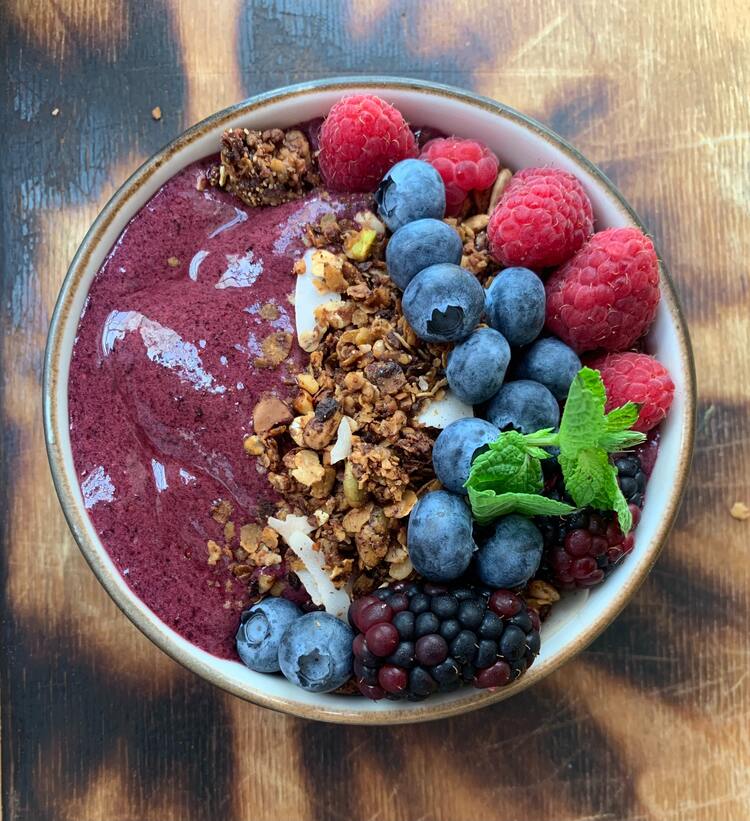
(382, 593)
(632, 478)
(398, 602)
(404, 623)
(425, 624)
(496, 676)
(403, 655)
(421, 683)
(393, 679)
(470, 614)
(374, 614)
(462, 593)
(533, 642)
(513, 642)
(446, 672)
(487, 653)
(373, 692)
(419, 603)
(367, 674)
(505, 603)
(357, 606)
(464, 646)
(431, 650)
(468, 671)
(382, 639)
(444, 606)
(522, 620)
(492, 626)
(450, 629)
(362, 652)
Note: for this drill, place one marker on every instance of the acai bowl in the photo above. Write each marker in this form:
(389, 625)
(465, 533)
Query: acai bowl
(193, 342)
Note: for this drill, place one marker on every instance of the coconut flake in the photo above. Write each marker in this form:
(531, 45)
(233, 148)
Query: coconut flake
(441, 412)
(335, 601)
(294, 531)
(307, 298)
(343, 446)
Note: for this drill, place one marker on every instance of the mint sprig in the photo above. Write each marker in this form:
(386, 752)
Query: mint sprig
(507, 478)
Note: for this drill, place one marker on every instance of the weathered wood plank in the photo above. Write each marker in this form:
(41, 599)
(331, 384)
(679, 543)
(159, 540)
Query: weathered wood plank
(651, 722)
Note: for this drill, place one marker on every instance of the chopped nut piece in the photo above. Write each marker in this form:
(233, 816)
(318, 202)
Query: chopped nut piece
(403, 507)
(308, 383)
(214, 552)
(253, 445)
(501, 183)
(359, 245)
(388, 377)
(173, 262)
(276, 348)
(303, 403)
(321, 429)
(265, 583)
(543, 592)
(229, 531)
(270, 412)
(221, 511)
(297, 428)
(740, 511)
(269, 312)
(307, 468)
(477, 222)
(355, 519)
(155, 112)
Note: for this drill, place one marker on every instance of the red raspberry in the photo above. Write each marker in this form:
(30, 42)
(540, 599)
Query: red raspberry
(637, 377)
(464, 165)
(362, 138)
(606, 296)
(542, 219)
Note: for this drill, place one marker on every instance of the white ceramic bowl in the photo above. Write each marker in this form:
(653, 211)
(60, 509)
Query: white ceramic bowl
(519, 142)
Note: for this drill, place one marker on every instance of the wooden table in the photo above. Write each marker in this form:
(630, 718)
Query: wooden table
(653, 721)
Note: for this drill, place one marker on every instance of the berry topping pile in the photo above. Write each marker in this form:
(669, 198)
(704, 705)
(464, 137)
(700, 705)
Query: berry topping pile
(450, 465)
(416, 639)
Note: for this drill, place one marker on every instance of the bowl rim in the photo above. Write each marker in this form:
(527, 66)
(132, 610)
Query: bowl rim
(138, 612)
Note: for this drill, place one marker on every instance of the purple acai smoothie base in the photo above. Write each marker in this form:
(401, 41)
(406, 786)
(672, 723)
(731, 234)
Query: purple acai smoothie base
(163, 385)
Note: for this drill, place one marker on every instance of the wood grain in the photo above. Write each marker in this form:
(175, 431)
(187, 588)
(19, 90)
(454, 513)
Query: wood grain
(653, 721)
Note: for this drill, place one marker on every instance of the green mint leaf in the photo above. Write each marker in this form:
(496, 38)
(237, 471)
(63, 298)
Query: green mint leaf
(622, 440)
(510, 465)
(622, 418)
(582, 423)
(487, 505)
(591, 481)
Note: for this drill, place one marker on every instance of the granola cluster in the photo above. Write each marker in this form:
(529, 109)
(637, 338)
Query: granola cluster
(265, 167)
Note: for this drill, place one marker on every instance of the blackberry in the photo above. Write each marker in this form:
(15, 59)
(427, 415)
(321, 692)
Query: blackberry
(631, 478)
(582, 549)
(417, 638)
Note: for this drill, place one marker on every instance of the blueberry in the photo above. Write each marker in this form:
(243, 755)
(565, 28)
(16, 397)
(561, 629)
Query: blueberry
(457, 446)
(516, 305)
(476, 368)
(511, 554)
(316, 652)
(410, 191)
(552, 363)
(522, 620)
(524, 406)
(443, 303)
(417, 245)
(533, 642)
(260, 632)
(439, 537)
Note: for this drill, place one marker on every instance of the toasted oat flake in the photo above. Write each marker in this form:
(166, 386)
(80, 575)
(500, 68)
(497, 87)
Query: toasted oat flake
(214, 552)
(307, 468)
(221, 511)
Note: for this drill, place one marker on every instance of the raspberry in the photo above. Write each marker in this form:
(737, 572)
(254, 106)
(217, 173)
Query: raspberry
(417, 638)
(637, 377)
(582, 549)
(361, 138)
(606, 296)
(542, 219)
(464, 165)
